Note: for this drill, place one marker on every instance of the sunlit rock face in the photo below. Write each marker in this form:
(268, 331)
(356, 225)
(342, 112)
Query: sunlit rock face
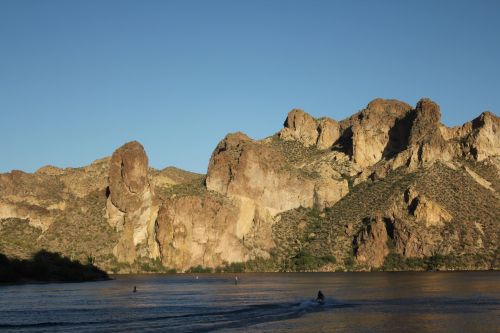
(390, 179)
(132, 206)
(193, 231)
(300, 126)
(262, 183)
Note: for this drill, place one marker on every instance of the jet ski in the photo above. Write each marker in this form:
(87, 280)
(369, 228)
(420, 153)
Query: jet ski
(320, 299)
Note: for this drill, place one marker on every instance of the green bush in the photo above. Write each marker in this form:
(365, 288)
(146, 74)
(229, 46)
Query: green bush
(305, 261)
(235, 267)
(393, 261)
(199, 269)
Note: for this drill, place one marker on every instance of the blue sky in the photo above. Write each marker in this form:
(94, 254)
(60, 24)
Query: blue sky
(80, 78)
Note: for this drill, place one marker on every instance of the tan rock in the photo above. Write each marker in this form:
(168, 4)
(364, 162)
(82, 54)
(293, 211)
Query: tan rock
(378, 131)
(328, 133)
(484, 140)
(254, 174)
(426, 143)
(196, 231)
(429, 212)
(425, 210)
(38, 217)
(132, 206)
(328, 191)
(300, 126)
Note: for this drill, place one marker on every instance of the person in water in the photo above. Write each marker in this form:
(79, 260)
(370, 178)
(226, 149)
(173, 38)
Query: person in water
(135, 289)
(320, 298)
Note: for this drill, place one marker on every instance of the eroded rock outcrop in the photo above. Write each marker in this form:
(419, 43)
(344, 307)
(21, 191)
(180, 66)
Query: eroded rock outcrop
(425, 210)
(426, 142)
(261, 182)
(300, 126)
(371, 243)
(195, 231)
(483, 140)
(132, 206)
(328, 133)
(378, 131)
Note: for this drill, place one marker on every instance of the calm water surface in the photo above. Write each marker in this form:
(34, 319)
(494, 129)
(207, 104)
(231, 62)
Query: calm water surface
(356, 302)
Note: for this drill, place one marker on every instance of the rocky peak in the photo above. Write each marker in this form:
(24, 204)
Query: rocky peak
(300, 126)
(232, 140)
(224, 160)
(426, 143)
(128, 176)
(425, 125)
(380, 107)
(484, 139)
(304, 128)
(376, 132)
(132, 206)
(484, 119)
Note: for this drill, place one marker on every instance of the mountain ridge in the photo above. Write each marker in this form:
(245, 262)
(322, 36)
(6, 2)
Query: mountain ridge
(286, 202)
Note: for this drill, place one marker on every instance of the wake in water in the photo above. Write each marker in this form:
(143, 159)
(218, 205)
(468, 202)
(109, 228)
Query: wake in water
(199, 321)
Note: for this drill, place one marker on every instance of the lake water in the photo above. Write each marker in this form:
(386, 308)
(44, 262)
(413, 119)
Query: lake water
(281, 302)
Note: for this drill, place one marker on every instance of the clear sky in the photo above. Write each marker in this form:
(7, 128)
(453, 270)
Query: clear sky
(80, 78)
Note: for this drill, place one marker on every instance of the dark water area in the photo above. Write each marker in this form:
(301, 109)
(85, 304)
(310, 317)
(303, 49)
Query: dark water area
(264, 302)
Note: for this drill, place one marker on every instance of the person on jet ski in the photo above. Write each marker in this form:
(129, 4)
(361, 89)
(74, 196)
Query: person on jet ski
(320, 298)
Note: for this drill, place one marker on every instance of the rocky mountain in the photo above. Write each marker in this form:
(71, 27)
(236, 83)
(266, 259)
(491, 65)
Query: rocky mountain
(388, 188)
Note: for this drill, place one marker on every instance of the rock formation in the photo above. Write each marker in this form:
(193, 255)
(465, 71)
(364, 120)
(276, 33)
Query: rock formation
(132, 206)
(300, 126)
(390, 187)
(196, 231)
(371, 243)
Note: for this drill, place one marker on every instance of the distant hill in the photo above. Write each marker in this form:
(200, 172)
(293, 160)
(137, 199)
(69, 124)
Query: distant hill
(389, 188)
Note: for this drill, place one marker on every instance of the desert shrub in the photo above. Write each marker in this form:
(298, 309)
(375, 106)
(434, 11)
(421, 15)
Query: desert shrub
(199, 269)
(393, 261)
(235, 267)
(305, 261)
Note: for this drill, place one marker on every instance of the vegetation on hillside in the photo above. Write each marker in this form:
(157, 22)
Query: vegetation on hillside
(47, 266)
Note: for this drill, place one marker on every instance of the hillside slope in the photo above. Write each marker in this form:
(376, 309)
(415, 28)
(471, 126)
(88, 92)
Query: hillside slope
(387, 188)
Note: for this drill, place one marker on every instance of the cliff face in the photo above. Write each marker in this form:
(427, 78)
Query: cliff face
(132, 207)
(388, 188)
